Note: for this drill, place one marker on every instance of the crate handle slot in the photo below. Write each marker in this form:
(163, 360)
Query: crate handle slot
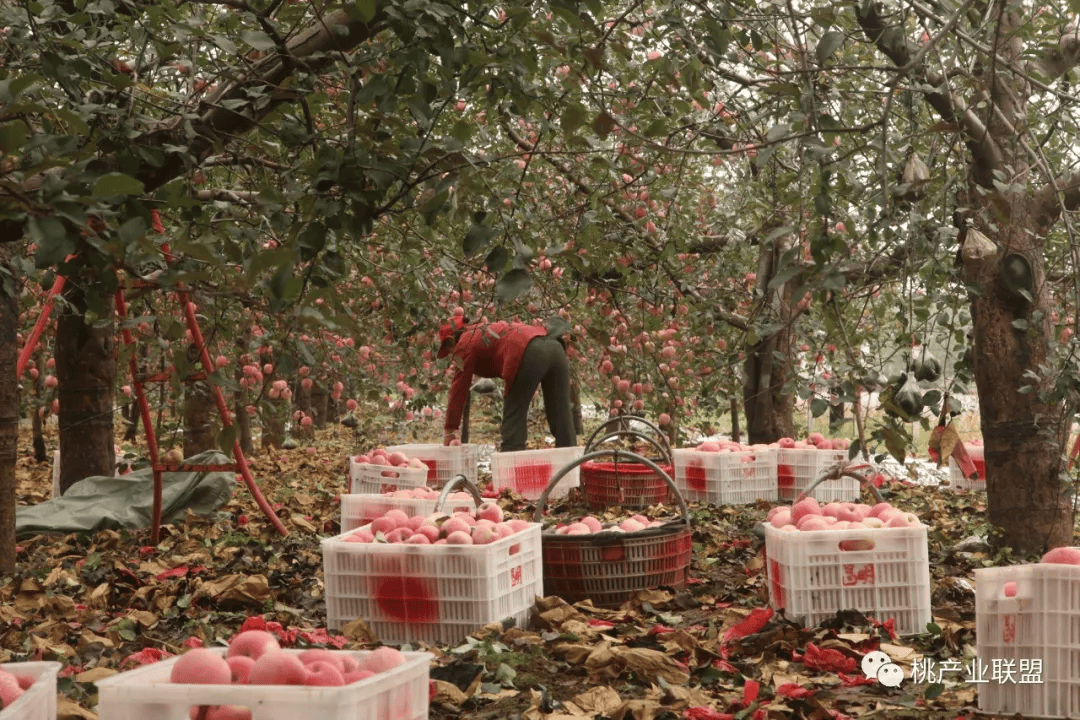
(857, 545)
(541, 503)
(453, 483)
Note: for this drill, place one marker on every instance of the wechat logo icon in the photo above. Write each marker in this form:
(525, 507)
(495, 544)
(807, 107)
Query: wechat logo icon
(878, 665)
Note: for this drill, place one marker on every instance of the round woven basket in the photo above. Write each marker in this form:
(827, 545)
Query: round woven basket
(609, 567)
(630, 485)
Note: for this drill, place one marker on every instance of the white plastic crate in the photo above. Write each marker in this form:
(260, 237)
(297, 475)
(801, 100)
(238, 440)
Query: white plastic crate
(443, 461)
(732, 478)
(1040, 622)
(400, 693)
(528, 472)
(432, 593)
(814, 574)
(39, 700)
(796, 468)
(957, 481)
(376, 479)
(360, 510)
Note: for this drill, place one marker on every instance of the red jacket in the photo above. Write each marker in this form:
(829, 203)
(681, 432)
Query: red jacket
(490, 351)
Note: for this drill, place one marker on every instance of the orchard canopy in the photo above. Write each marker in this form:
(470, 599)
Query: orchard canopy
(761, 201)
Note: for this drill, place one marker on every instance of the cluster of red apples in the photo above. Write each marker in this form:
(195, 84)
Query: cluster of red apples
(379, 456)
(589, 524)
(808, 515)
(254, 657)
(481, 526)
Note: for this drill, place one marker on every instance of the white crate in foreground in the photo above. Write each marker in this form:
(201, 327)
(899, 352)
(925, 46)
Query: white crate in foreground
(1037, 623)
(39, 700)
(883, 573)
(726, 478)
(796, 468)
(375, 479)
(957, 481)
(443, 461)
(360, 510)
(528, 472)
(400, 693)
(432, 593)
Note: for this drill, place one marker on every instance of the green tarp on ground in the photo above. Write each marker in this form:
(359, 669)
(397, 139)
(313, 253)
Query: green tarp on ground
(127, 502)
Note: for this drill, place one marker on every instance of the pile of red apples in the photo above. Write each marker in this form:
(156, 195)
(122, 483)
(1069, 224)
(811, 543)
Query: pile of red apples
(254, 657)
(813, 441)
(808, 515)
(379, 456)
(481, 526)
(590, 524)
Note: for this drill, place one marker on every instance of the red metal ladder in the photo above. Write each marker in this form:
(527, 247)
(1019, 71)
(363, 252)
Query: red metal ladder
(240, 465)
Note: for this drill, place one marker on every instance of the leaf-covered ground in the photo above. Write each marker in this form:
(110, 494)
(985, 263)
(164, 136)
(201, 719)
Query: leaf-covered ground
(108, 602)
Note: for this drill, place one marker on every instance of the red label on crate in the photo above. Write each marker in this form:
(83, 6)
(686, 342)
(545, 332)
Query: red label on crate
(858, 575)
(613, 553)
(695, 477)
(785, 476)
(532, 478)
(1008, 632)
(433, 468)
(515, 576)
(407, 599)
(776, 586)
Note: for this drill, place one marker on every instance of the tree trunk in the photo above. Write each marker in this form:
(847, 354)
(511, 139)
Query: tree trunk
(735, 434)
(319, 405)
(273, 425)
(9, 406)
(132, 414)
(86, 371)
(769, 411)
(41, 453)
(1024, 437)
(199, 413)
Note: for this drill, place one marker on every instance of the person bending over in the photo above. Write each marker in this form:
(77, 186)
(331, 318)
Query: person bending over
(526, 358)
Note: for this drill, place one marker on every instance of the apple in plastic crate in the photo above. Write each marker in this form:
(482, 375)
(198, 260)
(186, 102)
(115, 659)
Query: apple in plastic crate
(810, 516)
(12, 686)
(464, 528)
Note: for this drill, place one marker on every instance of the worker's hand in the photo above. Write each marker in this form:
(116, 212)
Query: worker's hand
(449, 438)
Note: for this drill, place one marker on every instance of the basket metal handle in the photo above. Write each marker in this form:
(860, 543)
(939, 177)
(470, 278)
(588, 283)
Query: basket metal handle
(626, 419)
(541, 503)
(836, 472)
(664, 450)
(453, 483)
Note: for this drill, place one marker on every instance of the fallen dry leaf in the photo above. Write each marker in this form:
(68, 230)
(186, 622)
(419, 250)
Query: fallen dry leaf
(95, 674)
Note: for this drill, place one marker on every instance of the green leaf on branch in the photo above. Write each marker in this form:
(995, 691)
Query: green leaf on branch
(476, 239)
(52, 239)
(603, 125)
(367, 9)
(258, 40)
(12, 136)
(572, 118)
(830, 42)
(818, 407)
(496, 260)
(117, 184)
(513, 285)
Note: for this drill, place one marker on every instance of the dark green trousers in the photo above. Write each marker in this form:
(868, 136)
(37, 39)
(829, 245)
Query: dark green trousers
(544, 365)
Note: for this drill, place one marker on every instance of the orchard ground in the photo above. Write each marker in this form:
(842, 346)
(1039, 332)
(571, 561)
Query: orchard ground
(107, 602)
